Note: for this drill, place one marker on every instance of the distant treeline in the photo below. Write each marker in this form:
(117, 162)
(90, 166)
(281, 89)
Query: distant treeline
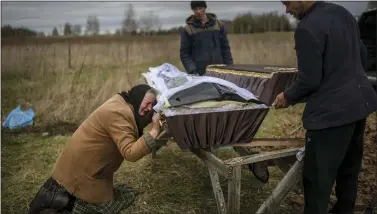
(249, 23)
(150, 25)
(8, 31)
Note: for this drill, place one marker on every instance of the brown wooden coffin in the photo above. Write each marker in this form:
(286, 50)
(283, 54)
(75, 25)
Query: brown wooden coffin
(209, 127)
(213, 127)
(264, 81)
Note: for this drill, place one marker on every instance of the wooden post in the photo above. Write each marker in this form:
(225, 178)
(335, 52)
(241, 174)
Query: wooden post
(282, 189)
(69, 55)
(231, 169)
(211, 160)
(238, 161)
(54, 60)
(217, 191)
(234, 190)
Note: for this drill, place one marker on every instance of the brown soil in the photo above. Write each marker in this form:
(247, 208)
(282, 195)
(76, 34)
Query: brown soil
(367, 178)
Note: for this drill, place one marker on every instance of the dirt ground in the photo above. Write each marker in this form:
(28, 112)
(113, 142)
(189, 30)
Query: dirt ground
(367, 178)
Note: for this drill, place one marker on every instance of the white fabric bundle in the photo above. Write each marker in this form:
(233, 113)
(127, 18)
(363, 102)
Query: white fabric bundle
(168, 80)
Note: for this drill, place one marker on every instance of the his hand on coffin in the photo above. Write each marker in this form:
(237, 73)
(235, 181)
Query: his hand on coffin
(280, 101)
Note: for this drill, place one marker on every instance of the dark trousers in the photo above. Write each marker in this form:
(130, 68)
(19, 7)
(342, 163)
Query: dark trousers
(332, 154)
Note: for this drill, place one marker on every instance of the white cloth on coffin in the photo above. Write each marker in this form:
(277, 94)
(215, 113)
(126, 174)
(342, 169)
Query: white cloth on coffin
(168, 80)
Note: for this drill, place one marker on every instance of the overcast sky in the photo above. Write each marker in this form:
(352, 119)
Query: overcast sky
(43, 16)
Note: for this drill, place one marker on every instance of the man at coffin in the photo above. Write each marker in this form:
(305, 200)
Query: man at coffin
(339, 98)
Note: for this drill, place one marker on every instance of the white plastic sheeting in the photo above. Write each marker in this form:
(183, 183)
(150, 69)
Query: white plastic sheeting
(168, 80)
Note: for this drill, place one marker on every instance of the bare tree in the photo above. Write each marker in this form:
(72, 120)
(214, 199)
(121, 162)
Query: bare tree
(129, 24)
(150, 21)
(92, 25)
(76, 30)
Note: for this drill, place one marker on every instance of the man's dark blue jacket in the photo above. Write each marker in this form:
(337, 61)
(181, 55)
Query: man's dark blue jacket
(331, 76)
(203, 45)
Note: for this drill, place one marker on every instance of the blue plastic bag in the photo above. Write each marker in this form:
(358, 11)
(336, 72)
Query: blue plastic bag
(19, 119)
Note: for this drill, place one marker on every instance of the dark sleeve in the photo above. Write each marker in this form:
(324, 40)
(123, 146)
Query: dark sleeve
(363, 56)
(309, 63)
(225, 48)
(185, 52)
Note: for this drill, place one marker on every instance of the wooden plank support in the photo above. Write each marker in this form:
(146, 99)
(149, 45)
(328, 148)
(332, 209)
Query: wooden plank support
(217, 191)
(272, 142)
(257, 142)
(272, 204)
(234, 190)
(238, 161)
(211, 160)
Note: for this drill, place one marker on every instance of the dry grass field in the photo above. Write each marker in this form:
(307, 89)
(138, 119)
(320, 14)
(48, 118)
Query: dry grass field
(102, 68)
(63, 95)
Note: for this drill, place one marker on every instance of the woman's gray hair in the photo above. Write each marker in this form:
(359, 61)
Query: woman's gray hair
(153, 91)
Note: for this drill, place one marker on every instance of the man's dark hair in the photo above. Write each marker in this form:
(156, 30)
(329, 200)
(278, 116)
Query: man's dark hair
(195, 4)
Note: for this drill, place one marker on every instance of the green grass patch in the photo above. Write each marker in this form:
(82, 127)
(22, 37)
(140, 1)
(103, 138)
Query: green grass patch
(175, 182)
(26, 162)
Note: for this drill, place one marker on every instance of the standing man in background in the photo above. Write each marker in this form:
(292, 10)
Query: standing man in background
(339, 98)
(204, 41)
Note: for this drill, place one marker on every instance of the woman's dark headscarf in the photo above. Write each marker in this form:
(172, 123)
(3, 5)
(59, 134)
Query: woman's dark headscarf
(134, 97)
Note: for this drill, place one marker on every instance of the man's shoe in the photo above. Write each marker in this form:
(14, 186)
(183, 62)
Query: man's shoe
(260, 171)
